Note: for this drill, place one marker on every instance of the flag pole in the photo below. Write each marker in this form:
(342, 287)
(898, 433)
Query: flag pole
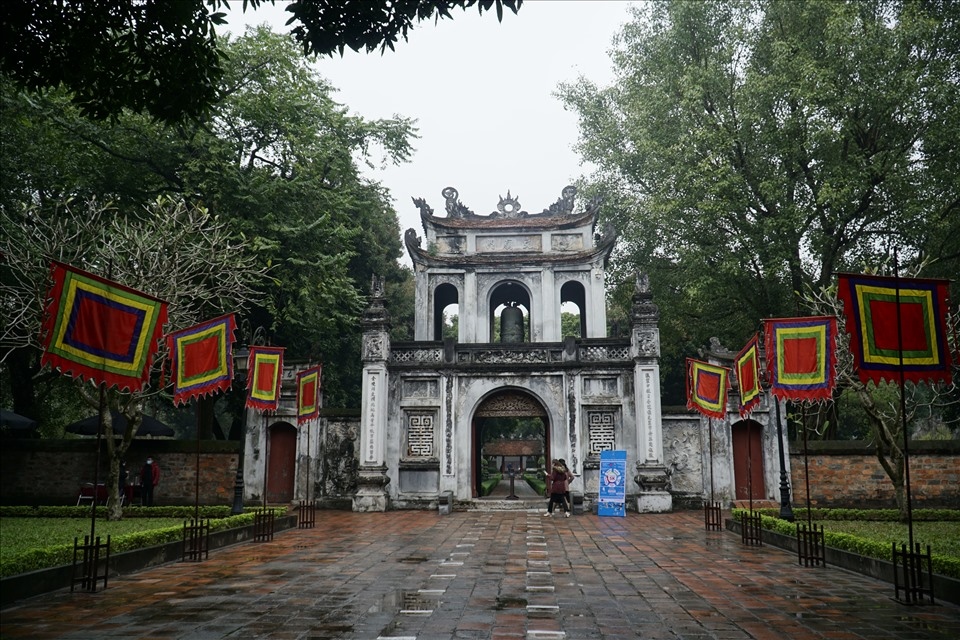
(196, 492)
(903, 402)
(100, 411)
(710, 432)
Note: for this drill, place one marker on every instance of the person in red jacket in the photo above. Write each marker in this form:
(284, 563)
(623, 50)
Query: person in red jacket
(149, 479)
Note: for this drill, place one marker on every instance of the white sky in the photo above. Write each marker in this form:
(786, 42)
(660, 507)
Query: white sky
(482, 92)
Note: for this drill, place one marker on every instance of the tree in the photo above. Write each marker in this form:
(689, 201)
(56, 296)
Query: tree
(276, 161)
(164, 58)
(169, 249)
(749, 150)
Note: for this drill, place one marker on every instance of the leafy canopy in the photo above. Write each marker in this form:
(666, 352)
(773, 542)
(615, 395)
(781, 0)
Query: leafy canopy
(163, 57)
(751, 149)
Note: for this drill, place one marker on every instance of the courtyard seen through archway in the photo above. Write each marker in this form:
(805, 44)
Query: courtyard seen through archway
(510, 432)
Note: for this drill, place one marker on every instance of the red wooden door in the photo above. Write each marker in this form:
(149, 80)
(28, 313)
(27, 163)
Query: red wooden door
(281, 463)
(748, 460)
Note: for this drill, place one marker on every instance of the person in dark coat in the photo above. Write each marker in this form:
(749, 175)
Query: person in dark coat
(558, 481)
(149, 479)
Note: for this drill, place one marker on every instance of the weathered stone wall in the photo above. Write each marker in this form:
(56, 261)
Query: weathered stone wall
(848, 475)
(52, 471)
(339, 455)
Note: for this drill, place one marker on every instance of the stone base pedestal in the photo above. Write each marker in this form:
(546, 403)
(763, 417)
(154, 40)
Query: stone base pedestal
(654, 502)
(372, 492)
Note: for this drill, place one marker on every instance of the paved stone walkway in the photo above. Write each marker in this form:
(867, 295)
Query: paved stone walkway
(487, 574)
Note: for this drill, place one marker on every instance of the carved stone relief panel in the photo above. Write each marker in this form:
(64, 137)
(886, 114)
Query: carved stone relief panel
(601, 430)
(421, 388)
(605, 386)
(339, 458)
(648, 342)
(420, 435)
(451, 244)
(502, 244)
(509, 404)
(373, 346)
(566, 242)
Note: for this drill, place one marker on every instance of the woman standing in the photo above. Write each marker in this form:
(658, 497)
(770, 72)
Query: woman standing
(558, 481)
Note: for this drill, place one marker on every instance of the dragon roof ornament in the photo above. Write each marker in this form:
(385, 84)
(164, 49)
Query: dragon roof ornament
(507, 208)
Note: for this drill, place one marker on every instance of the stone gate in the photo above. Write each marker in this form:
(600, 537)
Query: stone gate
(423, 401)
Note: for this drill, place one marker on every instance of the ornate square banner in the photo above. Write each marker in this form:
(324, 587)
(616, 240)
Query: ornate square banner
(747, 365)
(896, 323)
(201, 358)
(100, 330)
(308, 394)
(801, 357)
(263, 379)
(707, 388)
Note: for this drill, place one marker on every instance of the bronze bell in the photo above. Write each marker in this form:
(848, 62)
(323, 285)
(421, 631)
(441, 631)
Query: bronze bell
(511, 324)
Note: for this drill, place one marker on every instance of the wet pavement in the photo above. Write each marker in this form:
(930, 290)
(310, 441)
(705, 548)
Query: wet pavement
(487, 574)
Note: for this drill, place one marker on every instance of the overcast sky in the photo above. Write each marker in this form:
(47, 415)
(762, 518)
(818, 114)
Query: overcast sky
(482, 92)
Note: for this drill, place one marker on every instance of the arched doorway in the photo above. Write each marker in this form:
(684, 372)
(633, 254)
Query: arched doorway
(281, 462)
(508, 413)
(748, 460)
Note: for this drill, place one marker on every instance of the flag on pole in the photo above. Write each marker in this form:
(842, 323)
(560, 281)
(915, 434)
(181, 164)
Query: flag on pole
(308, 394)
(201, 358)
(747, 369)
(99, 330)
(870, 306)
(707, 388)
(263, 380)
(801, 357)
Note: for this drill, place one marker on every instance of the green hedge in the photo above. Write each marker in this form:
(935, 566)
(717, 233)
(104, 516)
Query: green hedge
(62, 554)
(537, 484)
(128, 512)
(943, 565)
(869, 515)
(488, 485)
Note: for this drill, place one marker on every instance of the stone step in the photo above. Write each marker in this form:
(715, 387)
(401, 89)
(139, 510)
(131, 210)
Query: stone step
(488, 504)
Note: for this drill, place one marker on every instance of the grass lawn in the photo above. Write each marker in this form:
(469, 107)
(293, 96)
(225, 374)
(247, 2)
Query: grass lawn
(23, 534)
(943, 537)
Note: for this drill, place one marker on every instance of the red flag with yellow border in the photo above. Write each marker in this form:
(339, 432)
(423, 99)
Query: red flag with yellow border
(201, 358)
(747, 365)
(872, 306)
(308, 394)
(801, 357)
(99, 330)
(707, 386)
(263, 379)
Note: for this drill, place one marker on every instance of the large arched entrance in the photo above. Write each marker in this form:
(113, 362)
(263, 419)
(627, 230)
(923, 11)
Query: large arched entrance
(509, 416)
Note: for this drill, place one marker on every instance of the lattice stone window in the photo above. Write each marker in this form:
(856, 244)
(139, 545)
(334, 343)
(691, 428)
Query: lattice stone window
(421, 435)
(601, 430)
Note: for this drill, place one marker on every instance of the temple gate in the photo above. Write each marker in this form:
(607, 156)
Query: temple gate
(509, 273)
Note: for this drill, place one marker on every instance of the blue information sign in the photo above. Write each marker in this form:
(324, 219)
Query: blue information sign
(613, 485)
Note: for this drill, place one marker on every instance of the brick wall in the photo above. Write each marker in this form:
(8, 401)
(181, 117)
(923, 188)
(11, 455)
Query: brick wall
(51, 471)
(848, 475)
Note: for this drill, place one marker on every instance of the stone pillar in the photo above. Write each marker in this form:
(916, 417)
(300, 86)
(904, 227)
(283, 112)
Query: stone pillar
(372, 480)
(652, 476)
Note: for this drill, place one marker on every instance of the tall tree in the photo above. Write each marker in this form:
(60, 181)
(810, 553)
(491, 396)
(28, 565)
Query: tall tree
(168, 249)
(164, 58)
(750, 149)
(277, 161)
